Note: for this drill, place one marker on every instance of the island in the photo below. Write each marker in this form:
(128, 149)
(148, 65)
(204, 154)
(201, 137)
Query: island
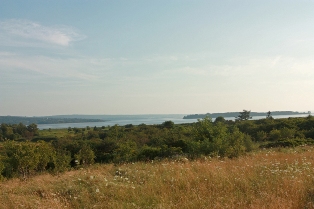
(235, 114)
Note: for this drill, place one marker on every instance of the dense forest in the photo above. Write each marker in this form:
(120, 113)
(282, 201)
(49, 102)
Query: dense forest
(25, 150)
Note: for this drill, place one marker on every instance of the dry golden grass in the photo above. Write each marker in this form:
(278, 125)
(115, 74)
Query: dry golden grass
(265, 179)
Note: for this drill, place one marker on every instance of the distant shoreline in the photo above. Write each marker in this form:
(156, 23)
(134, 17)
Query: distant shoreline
(44, 120)
(64, 121)
(235, 114)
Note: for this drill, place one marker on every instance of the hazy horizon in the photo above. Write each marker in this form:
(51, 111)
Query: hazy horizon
(143, 114)
(155, 57)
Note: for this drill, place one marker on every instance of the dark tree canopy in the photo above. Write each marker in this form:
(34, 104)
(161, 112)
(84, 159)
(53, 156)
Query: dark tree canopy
(168, 124)
(220, 119)
(269, 116)
(244, 115)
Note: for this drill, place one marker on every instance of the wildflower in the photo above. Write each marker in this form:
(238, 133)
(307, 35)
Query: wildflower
(97, 190)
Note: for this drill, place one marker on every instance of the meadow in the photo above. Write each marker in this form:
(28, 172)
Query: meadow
(266, 163)
(266, 178)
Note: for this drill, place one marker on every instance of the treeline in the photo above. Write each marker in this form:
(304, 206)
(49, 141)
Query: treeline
(23, 156)
(17, 131)
(235, 114)
(280, 132)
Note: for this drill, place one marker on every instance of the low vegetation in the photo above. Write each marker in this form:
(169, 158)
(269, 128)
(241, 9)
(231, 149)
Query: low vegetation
(26, 151)
(218, 164)
(269, 178)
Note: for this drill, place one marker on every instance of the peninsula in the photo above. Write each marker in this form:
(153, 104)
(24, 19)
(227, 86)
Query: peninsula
(235, 114)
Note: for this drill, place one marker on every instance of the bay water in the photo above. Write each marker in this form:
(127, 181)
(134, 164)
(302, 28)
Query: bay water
(121, 120)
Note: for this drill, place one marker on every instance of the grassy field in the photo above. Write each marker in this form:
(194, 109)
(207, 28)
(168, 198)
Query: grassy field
(55, 133)
(265, 179)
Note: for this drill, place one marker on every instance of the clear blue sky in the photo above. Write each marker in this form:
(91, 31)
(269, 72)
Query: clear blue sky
(155, 57)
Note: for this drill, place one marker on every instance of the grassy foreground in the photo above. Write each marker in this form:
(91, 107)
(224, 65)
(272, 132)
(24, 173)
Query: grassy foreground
(265, 179)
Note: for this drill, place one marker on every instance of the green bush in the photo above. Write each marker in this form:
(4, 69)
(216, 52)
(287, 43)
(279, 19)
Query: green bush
(288, 143)
(261, 136)
(1, 168)
(26, 158)
(125, 152)
(149, 153)
(274, 135)
(168, 124)
(22, 158)
(236, 145)
(85, 156)
(194, 149)
(61, 161)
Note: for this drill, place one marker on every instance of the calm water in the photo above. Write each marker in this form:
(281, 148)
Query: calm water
(122, 120)
(139, 119)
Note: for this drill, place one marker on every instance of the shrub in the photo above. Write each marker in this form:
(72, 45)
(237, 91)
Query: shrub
(149, 153)
(85, 155)
(261, 136)
(236, 144)
(125, 152)
(61, 161)
(168, 124)
(1, 168)
(288, 143)
(274, 135)
(22, 158)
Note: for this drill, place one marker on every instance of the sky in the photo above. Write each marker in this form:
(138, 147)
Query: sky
(155, 57)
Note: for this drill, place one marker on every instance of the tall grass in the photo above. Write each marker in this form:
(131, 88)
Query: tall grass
(265, 179)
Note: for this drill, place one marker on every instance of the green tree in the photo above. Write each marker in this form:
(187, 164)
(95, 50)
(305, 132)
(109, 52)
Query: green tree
(261, 136)
(269, 116)
(7, 132)
(203, 129)
(21, 129)
(4, 128)
(46, 155)
(85, 155)
(22, 158)
(236, 143)
(212, 139)
(125, 152)
(116, 132)
(33, 129)
(128, 126)
(149, 153)
(168, 124)
(1, 167)
(220, 119)
(244, 115)
(194, 149)
(287, 133)
(61, 161)
(274, 134)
